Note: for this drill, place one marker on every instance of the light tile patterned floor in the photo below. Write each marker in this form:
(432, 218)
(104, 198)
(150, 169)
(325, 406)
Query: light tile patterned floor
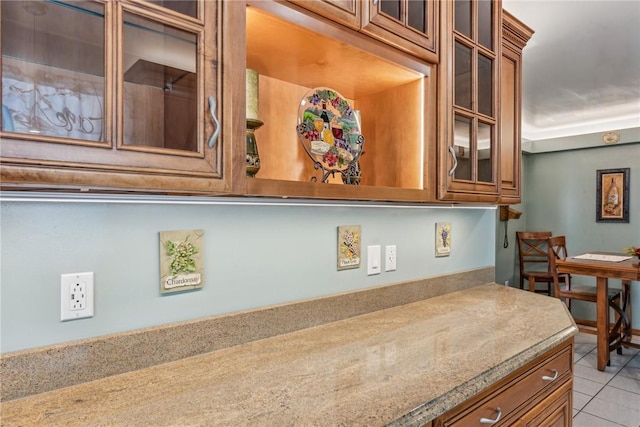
(605, 399)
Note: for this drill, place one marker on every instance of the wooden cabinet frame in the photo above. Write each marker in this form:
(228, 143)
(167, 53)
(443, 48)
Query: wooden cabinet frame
(514, 38)
(54, 163)
(368, 55)
(548, 381)
(472, 190)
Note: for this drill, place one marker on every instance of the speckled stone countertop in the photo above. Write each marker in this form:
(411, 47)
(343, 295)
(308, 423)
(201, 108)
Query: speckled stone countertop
(400, 366)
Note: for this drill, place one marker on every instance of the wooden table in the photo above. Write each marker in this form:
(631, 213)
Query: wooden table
(627, 270)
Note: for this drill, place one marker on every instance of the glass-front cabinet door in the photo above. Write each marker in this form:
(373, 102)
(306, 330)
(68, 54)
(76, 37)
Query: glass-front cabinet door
(410, 25)
(101, 95)
(468, 150)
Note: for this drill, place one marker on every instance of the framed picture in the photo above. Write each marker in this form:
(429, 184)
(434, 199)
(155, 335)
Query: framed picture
(349, 247)
(612, 195)
(181, 262)
(443, 239)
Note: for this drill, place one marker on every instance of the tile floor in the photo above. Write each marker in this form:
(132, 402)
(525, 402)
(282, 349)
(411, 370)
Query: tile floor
(605, 399)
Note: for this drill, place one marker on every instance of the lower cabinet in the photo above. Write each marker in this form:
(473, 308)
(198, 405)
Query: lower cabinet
(538, 394)
(554, 411)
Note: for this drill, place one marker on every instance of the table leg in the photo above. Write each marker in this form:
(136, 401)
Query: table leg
(626, 298)
(602, 322)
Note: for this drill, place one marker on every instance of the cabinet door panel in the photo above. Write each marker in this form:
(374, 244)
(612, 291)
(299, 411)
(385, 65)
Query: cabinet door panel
(468, 167)
(484, 152)
(125, 99)
(410, 25)
(391, 8)
(53, 75)
(486, 24)
(554, 411)
(462, 137)
(514, 37)
(509, 135)
(160, 85)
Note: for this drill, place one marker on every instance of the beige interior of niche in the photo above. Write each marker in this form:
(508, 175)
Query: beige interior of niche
(293, 60)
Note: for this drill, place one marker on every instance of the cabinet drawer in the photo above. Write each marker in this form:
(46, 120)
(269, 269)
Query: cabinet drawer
(553, 411)
(525, 389)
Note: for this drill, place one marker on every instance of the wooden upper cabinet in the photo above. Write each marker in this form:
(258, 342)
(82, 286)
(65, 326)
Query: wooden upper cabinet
(151, 96)
(410, 25)
(469, 89)
(115, 96)
(514, 38)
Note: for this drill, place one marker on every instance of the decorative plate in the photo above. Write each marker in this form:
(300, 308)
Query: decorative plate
(329, 131)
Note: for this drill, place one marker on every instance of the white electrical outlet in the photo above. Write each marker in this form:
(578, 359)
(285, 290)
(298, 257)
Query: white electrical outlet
(373, 260)
(390, 258)
(78, 300)
(76, 296)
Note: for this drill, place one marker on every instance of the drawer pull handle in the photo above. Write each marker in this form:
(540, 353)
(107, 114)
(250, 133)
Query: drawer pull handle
(455, 161)
(212, 111)
(489, 420)
(548, 378)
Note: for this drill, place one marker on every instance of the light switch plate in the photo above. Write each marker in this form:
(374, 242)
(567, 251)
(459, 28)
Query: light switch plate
(373, 260)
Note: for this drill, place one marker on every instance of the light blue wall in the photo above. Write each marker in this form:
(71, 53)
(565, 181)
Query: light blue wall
(254, 255)
(560, 196)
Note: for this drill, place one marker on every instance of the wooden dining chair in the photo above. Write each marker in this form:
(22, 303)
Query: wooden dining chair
(534, 260)
(565, 290)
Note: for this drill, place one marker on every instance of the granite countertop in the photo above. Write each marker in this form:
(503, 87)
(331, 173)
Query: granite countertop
(400, 366)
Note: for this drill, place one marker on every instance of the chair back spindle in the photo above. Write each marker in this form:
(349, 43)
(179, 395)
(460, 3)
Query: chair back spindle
(533, 257)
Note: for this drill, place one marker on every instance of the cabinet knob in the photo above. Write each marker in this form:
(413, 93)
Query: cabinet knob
(455, 160)
(375, 2)
(492, 421)
(212, 111)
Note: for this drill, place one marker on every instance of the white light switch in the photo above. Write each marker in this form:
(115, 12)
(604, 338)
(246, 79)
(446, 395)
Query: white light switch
(373, 260)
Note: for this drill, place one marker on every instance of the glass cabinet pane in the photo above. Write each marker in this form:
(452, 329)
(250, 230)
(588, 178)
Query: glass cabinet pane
(463, 76)
(53, 68)
(485, 142)
(485, 85)
(416, 16)
(391, 8)
(185, 7)
(485, 23)
(463, 17)
(461, 145)
(160, 85)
